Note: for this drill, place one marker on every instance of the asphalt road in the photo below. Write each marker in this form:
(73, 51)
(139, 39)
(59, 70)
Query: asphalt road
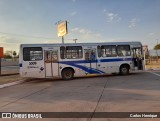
(137, 92)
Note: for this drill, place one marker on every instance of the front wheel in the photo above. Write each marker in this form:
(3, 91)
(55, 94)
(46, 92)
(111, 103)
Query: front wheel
(124, 70)
(67, 74)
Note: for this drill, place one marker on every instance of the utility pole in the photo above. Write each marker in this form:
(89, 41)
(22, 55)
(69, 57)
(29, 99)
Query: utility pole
(75, 40)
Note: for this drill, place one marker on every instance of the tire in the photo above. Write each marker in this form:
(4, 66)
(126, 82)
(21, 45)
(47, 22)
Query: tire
(67, 74)
(124, 70)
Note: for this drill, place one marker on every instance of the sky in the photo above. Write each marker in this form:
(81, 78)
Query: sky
(34, 21)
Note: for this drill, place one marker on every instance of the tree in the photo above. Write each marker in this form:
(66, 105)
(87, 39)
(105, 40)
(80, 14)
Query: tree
(8, 53)
(157, 47)
(6, 56)
(14, 53)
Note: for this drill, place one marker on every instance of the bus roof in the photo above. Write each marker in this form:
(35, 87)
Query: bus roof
(134, 43)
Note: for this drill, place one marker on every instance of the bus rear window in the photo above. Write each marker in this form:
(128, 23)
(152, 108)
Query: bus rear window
(32, 53)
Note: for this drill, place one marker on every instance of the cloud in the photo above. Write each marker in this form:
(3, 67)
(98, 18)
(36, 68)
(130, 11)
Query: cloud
(133, 22)
(85, 35)
(9, 40)
(81, 30)
(151, 34)
(73, 0)
(104, 10)
(111, 17)
(73, 13)
(9, 43)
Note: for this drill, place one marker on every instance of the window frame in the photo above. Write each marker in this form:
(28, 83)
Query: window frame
(63, 52)
(69, 52)
(124, 55)
(99, 51)
(110, 47)
(27, 56)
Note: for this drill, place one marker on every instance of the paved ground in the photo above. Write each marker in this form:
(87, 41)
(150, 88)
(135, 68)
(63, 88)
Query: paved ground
(136, 92)
(10, 69)
(9, 79)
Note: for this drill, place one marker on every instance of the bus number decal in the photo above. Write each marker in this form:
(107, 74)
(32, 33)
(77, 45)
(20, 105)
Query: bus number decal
(32, 63)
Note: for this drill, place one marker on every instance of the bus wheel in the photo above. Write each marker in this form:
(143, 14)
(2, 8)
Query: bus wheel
(67, 74)
(124, 70)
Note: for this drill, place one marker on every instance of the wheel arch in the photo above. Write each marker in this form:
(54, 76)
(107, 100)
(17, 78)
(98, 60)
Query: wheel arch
(124, 69)
(68, 76)
(67, 68)
(125, 64)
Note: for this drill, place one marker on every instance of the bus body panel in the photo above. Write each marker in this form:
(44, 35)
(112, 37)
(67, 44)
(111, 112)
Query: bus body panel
(52, 64)
(33, 69)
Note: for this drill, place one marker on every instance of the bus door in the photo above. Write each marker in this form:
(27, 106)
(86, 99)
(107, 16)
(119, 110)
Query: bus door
(51, 63)
(137, 58)
(91, 60)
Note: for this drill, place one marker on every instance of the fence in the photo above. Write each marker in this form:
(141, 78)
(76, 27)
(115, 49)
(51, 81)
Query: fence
(9, 67)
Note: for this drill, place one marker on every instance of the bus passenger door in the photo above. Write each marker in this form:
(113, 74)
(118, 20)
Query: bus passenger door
(91, 61)
(137, 59)
(51, 63)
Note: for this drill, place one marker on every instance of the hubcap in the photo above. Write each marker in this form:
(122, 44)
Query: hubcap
(68, 74)
(124, 70)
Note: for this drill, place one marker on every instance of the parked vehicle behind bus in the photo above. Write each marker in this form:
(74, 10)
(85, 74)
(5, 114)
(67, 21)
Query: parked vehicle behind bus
(79, 59)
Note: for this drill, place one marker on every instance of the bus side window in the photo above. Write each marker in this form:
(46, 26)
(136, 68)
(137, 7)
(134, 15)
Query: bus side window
(74, 52)
(47, 55)
(99, 51)
(92, 56)
(123, 50)
(86, 55)
(108, 51)
(62, 52)
(32, 53)
(55, 56)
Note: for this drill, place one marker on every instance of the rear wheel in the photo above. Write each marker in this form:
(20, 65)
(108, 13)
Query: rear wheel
(124, 70)
(67, 74)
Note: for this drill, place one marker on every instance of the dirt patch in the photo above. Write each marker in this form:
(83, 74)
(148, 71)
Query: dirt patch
(153, 65)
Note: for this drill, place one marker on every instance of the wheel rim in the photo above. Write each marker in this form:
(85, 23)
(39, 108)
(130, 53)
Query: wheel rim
(124, 70)
(68, 74)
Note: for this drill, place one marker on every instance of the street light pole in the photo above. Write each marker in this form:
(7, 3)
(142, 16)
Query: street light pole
(75, 40)
(62, 39)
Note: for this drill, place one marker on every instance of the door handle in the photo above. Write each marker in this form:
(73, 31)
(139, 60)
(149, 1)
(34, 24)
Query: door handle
(99, 65)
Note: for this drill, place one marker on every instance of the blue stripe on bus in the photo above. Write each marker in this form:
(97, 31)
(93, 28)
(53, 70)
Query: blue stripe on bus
(94, 61)
(86, 69)
(116, 59)
(92, 70)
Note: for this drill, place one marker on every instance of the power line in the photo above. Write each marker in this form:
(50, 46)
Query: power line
(29, 36)
(22, 35)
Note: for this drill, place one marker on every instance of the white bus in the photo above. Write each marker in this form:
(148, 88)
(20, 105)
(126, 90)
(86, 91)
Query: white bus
(79, 59)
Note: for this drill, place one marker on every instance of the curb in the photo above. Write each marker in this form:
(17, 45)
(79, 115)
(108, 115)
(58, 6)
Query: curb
(152, 69)
(9, 74)
(11, 84)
